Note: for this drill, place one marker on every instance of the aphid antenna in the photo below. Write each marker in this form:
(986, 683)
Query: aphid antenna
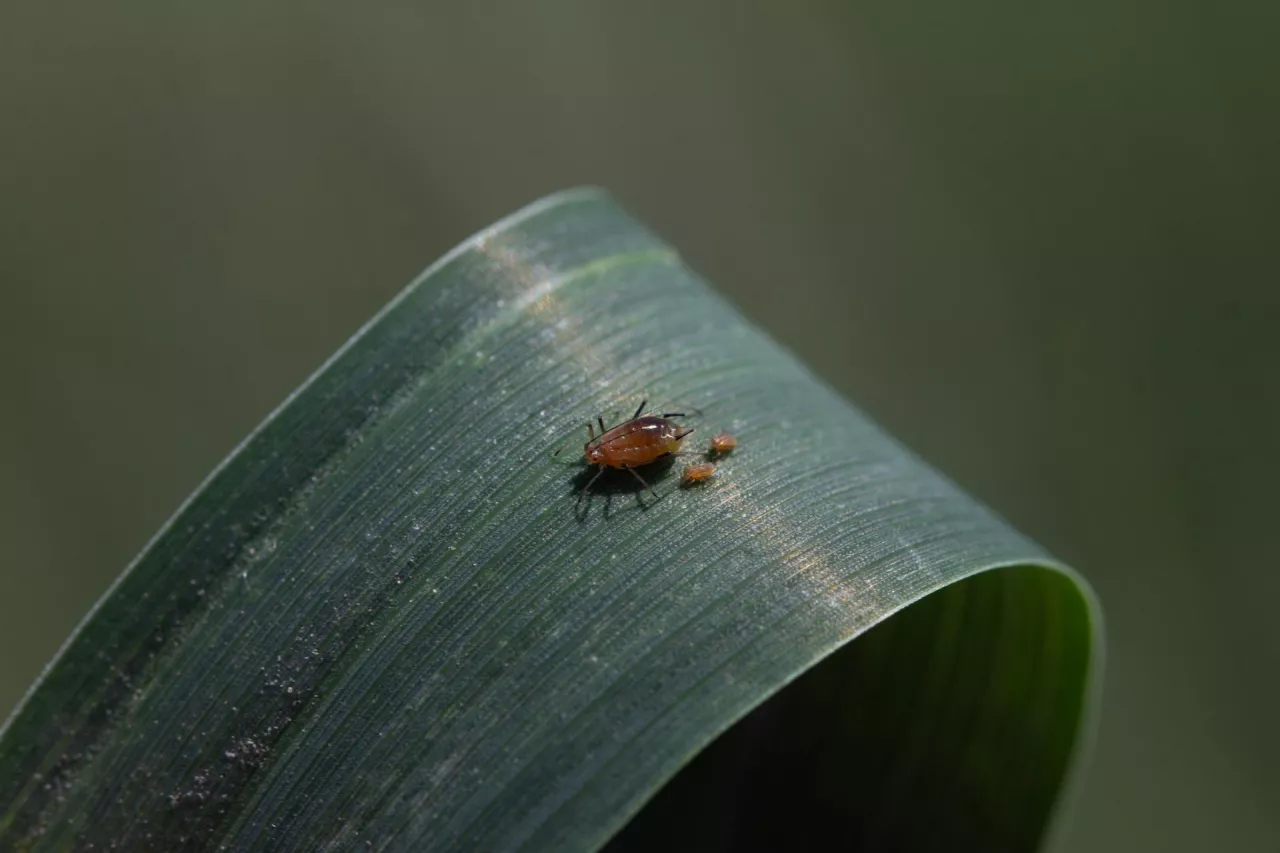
(591, 436)
(645, 402)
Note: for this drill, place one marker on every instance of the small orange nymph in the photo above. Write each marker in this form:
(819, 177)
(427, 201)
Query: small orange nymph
(698, 473)
(723, 443)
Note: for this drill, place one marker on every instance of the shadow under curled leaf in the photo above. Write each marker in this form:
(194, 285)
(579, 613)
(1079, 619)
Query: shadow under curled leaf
(385, 623)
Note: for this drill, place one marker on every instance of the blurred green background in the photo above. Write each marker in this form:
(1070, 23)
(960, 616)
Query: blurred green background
(1037, 242)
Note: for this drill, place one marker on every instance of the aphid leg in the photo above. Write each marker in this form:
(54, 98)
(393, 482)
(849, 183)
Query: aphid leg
(582, 494)
(640, 409)
(683, 434)
(636, 474)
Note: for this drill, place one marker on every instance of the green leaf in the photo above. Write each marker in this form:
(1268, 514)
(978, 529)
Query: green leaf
(386, 620)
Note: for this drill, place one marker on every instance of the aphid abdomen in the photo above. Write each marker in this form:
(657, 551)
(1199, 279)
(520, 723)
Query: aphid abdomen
(635, 449)
(635, 443)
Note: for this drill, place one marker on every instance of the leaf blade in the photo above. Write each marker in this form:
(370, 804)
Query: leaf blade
(394, 621)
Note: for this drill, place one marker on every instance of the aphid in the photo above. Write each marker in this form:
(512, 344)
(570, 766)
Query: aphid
(698, 473)
(633, 443)
(723, 443)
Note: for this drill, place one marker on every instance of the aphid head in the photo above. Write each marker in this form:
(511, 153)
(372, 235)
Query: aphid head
(595, 453)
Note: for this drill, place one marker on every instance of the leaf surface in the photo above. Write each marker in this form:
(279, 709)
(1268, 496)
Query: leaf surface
(386, 621)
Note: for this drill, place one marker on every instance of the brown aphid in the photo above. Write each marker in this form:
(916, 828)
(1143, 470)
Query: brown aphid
(633, 443)
(699, 473)
(723, 443)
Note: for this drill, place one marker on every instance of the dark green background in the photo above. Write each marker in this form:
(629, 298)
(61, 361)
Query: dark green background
(1038, 243)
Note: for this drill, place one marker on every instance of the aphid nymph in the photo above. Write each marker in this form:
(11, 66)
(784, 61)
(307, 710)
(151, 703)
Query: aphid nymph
(633, 443)
(723, 443)
(697, 473)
